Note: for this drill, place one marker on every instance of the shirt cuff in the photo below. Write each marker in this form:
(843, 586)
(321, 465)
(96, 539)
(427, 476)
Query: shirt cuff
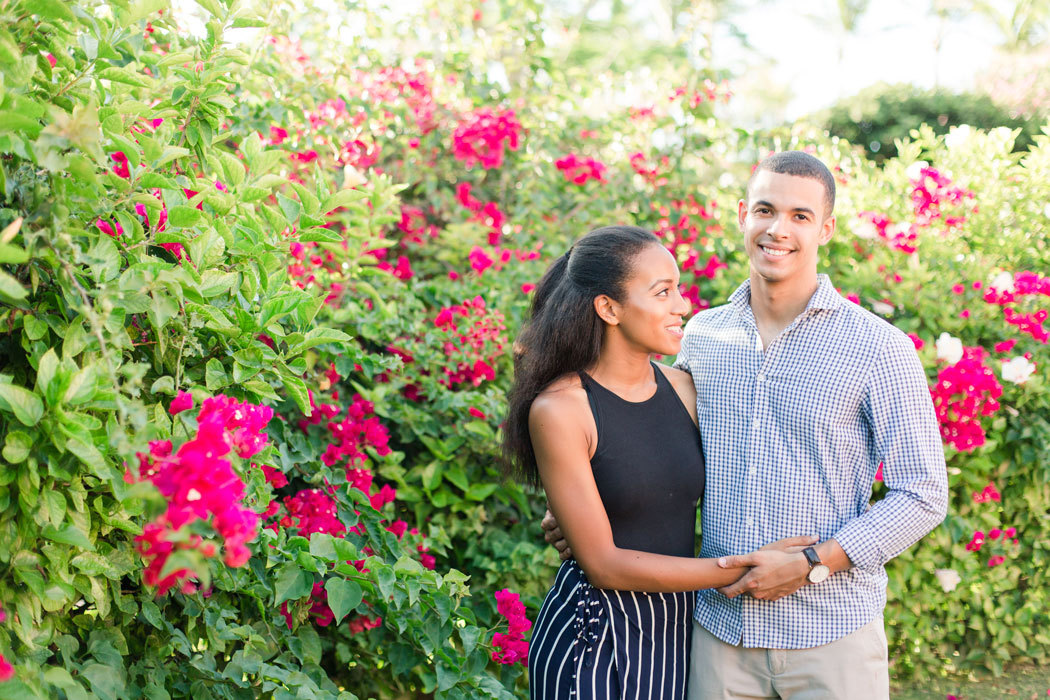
(862, 549)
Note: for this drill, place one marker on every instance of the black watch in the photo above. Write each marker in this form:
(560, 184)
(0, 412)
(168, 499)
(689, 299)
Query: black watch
(818, 570)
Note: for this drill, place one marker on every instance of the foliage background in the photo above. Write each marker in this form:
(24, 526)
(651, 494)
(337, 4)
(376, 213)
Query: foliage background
(334, 267)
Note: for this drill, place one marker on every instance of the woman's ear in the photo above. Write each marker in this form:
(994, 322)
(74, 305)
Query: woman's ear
(607, 309)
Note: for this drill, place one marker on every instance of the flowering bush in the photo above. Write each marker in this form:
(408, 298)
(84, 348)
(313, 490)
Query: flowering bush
(257, 298)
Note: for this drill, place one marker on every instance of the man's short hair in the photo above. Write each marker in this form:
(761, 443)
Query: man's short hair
(799, 164)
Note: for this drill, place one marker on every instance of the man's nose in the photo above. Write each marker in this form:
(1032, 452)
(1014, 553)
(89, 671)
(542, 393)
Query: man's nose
(777, 227)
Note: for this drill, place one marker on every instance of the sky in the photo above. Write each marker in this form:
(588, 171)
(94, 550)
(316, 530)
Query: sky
(895, 43)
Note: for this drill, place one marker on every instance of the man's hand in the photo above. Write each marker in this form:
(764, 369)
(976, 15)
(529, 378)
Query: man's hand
(552, 533)
(775, 574)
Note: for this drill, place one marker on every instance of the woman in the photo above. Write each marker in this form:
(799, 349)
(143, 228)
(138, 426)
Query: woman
(613, 439)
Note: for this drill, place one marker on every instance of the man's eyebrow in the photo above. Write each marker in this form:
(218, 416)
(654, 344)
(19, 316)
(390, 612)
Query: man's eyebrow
(666, 280)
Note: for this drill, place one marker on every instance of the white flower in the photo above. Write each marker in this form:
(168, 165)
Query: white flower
(957, 136)
(949, 349)
(915, 169)
(1003, 282)
(882, 308)
(865, 229)
(948, 578)
(1018, 370)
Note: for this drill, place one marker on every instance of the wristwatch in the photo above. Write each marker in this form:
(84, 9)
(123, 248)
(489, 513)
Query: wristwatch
(818, 570)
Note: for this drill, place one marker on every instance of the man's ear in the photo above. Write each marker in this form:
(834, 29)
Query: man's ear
(741, 214)
(607, 309)
(827, 230)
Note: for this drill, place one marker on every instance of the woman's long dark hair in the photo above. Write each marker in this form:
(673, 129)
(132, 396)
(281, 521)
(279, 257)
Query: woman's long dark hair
(564, 334)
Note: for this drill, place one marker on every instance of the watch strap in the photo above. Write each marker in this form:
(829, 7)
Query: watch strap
(812, 557)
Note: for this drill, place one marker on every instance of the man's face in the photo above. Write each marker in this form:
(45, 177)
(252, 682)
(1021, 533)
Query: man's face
(784, 226)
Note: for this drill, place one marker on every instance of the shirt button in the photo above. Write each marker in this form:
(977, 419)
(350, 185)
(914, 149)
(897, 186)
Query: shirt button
(756, 424)
(751, 471)
(749, 521)
(760, 377)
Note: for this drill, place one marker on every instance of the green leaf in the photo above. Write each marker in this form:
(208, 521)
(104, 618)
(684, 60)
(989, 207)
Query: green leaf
(27, 406)
(10, 288)
(319, 336)
(70, 534)
(215, 375)
(17, 446)
(90, 456)
(35, 328)
(290, 207)
(51, 9)
(214, 282)
(119, 74)
(341, 199)
(343, 596)
(12, 254)
(296, 388)
(184, 216)
(292, 584)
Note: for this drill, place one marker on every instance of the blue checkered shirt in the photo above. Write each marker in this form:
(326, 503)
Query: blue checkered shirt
(793, 436)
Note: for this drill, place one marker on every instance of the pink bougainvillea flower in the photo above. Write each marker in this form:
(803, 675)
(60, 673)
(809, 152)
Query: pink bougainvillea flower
(113, 230)
(511, 647)
(482, 137)
(120, 164)
(7, 671)
(976, 542)
(182, 402)
(476, 412)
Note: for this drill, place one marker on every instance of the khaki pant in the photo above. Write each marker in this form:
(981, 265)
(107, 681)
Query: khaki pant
(854, 667)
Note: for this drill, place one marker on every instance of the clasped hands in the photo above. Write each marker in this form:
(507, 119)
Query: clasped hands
(775, 570)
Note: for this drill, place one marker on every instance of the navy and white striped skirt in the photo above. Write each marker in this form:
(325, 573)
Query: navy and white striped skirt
(593, 644)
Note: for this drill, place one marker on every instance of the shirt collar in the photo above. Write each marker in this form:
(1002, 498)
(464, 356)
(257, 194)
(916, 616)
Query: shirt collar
(826, 296)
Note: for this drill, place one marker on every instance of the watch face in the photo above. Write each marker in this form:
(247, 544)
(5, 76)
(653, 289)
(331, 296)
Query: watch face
(818, 573)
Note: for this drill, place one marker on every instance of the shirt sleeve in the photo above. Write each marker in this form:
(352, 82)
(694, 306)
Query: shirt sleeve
(900, 415)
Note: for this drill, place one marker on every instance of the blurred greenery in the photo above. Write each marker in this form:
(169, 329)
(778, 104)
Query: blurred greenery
(878, 115)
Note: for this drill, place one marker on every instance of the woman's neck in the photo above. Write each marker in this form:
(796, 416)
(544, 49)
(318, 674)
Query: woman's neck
(629, 373)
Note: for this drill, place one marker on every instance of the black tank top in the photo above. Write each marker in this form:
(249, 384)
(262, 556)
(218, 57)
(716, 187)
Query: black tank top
(649, 468)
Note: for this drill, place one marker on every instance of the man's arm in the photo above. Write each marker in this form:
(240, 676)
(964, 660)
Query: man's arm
(899, 412)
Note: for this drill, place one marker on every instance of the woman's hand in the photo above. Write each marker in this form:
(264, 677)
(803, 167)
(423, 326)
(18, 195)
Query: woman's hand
(552, 533)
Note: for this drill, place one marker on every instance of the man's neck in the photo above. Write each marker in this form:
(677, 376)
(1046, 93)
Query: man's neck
(776, 305)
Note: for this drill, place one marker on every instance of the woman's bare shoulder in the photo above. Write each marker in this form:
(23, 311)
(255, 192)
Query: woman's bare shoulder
(677, 377)
(562, 397)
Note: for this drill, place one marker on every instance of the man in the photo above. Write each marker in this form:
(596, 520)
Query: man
(800, 395)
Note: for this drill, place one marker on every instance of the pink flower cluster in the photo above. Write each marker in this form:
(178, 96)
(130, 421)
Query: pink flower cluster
(710, 91)
(932, 190)
(579, 170)
(474, 339)
(481, 260)
(1007, 537)
(897, 237)
(488, 213)
(650, 173)
(684, 225)
(990, 493)
(200, 484)
(511, 647)
(358, 431)
(965, 392)
(1023, 284)
(483, 135)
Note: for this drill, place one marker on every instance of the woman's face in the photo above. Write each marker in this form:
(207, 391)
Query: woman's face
(650, 313)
